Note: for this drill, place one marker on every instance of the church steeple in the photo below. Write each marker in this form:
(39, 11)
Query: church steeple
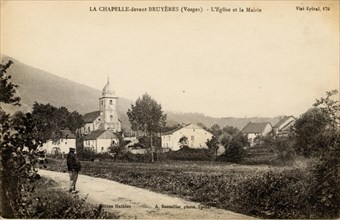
(108, 109)
(108, 90)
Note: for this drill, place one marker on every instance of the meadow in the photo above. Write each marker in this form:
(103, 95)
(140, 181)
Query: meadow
(256, 190)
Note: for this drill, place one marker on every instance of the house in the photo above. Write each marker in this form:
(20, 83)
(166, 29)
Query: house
(107, 116)
(196, 137)
(100, 140)
(253, 130)
(283, 126)
(61, 146)
(91, 122)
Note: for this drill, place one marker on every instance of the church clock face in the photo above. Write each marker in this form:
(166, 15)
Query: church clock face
(111, 104)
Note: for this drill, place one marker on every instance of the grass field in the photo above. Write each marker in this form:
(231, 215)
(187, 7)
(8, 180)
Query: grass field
(215, 184)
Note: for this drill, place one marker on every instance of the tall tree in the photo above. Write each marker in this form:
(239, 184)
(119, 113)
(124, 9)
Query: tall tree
(317, 136)
(316, 132)
(50, 120)
(16, 164)
(147, 116)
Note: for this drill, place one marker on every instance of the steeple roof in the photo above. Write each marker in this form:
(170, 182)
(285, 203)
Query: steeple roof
(108, 90)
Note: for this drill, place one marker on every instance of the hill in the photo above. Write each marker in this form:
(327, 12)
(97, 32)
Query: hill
(36, 85)
(208, 121)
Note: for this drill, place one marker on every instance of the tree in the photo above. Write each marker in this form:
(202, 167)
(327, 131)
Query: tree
(317, 136)
(317, 130)
(239, 137)
(147, 116)
(117, 148)
(234, 148)
(17, 151)
(215, 130)
(330, 107)
(7, 88)
(235, 151)
(230, 130)
(225, 139)
(213, 146)
(309, 129)
(183, 141)
(50, 120)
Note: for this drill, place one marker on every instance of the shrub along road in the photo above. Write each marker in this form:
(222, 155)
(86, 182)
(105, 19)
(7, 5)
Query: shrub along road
(134, 202)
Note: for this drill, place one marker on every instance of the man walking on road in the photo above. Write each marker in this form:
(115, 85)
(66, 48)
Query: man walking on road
(73, 166)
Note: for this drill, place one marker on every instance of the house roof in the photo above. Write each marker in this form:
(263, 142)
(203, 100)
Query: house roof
(172, 131)
(281, 121)
(254, 127)
(180, 127)
(91, 116)
(66, 133)
(97, 133)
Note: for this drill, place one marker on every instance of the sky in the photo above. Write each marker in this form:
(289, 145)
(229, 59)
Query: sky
(265, 64)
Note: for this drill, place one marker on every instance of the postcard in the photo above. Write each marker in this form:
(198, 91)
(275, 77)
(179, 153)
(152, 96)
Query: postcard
(172, 109)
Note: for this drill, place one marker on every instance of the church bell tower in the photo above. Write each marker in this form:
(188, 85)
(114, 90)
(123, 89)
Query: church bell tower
(108, 109)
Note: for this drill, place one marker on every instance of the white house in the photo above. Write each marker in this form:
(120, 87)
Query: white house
(100, 140)
(282, 127)
(107, 116)
(61, 146)
(197, 137)
(253, 130)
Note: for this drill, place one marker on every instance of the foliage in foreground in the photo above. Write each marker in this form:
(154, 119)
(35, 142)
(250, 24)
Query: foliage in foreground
(49, 202)
(23, 194)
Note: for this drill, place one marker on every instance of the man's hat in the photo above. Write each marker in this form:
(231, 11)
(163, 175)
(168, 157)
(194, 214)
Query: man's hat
(72, 149)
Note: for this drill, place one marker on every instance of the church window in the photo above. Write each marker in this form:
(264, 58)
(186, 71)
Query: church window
(192, 137)
(110, 101)
(111, 117)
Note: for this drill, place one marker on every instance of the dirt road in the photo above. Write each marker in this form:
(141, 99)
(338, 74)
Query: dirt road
(133, 202)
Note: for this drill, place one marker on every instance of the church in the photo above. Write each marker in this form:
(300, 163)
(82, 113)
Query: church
(107, 116)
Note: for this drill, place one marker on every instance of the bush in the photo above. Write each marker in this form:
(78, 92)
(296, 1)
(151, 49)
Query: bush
(186, 153)
(274, 195)
(86, 154)
(104, 156)
(324, 189)
(234, 153)
(130, 157)
(49, 202)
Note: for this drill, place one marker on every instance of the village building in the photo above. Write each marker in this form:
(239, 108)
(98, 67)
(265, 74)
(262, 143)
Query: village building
(254, 130)
(62, 145)
(107, 116)
(284, 125)
(196, 136)
(100, 140)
